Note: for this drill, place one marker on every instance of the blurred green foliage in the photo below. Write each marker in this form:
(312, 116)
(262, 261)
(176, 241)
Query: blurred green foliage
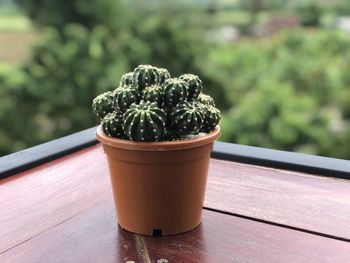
(57, 13)
(51, 94)
(310, 13)
(74, 63)
(289, 91)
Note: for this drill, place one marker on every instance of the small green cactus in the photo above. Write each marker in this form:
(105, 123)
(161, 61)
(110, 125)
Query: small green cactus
(194, 85)
(212, 117)
(103, 104)
(154, 93)
(163, 75)
(150, 106)
(144, 122)
(112, 125)
(187, 118)
(205, 99)
(175, 91)
(124, 96)
(126, 79)
(145, 75)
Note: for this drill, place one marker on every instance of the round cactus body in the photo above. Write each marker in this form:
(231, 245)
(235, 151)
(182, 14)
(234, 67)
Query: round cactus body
(149, 106)
(187, 118)
(124, 96)
(205, 99)
(112, 125)
(154, 93)
(103, 104)
(212, 117)
(175, 91)
(163, 75)
(194, 85)
(144, 122)
(126, 79)
(145, 75)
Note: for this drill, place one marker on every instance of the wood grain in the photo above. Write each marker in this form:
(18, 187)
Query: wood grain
(93, 236)
(45, 196)
(294, 199)
(41, 198)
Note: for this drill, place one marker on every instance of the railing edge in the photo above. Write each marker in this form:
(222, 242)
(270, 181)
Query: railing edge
(17, 162)
(300, 162)
(20, 161)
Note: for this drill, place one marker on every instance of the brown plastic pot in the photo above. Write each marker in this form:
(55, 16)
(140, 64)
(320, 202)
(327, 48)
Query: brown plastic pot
(158, 187)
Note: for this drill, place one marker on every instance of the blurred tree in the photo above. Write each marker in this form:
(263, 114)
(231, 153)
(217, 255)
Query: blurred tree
(75, 63)
(57, 13)
(164, 40)
(51, 95)
(253, 7)
(287, 92)
(310, 13)
(16, 108)
(274, 116)
(68, 70)
(277, 92)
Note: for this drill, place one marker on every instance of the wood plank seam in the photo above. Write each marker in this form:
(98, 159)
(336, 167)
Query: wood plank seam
(303, 201)
(142, 248)
(220, 238)
(224, 175)
(278, 224)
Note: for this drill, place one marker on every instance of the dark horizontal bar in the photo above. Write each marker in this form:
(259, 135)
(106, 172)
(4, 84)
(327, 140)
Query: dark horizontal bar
(31, 157)
(306, 163)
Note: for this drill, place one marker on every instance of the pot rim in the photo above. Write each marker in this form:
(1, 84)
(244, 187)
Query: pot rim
(157, 146)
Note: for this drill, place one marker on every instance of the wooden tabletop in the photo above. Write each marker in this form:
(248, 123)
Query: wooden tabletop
(63, 211)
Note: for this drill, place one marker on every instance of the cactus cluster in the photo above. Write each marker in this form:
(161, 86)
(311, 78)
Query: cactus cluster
(154, 93)
(126, 79)
(144, 122)
(112, 125)
(194, 85)
(103, 104)
(149, 105)
(124, 96)
(187, 117)
(145, 75)
(175, 91)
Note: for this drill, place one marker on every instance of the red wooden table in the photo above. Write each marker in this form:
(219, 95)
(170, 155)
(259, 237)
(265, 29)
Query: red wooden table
(63, 211)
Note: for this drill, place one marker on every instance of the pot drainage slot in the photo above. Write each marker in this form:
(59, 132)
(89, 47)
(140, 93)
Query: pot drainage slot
(157, 232)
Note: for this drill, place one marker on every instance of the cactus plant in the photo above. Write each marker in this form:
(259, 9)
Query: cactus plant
(194, 85)
(205, 99)
(154, 93)
(212, 117)
(150, 106)
(175, 91)
(187, 117)
(163, 75)
(103, 104)
(145, 75)
(127, 79)
(112, 125)
(144, 122)
(124, 96)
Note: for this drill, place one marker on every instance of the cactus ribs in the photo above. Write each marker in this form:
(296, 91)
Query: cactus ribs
(149, 106)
